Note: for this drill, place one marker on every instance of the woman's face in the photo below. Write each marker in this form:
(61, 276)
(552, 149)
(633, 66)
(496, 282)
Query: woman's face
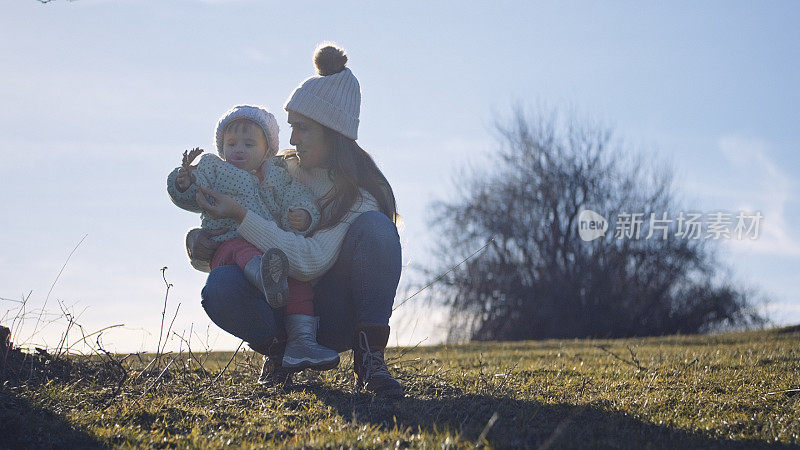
(308, 138)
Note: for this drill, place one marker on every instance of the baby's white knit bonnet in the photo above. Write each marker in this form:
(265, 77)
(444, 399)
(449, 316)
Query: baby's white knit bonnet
(257, 114)
(332, 98)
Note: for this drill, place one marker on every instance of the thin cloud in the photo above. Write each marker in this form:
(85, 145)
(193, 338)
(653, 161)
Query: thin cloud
(783, 312)
(774, 188)
(255, 55)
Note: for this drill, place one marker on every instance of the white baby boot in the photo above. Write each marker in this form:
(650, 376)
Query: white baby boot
(268, 273)
(302, 350)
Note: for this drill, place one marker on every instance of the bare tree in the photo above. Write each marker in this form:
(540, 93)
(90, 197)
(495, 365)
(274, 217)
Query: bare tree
(538, 278)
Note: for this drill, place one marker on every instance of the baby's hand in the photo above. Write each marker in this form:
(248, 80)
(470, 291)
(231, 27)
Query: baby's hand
(185, 177)
(299, 219)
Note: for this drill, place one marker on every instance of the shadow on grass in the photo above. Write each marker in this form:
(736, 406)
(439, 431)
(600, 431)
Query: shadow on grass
(519, 423)
(23, 425)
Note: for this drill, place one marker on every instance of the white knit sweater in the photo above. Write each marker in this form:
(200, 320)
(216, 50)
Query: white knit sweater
(309, 257)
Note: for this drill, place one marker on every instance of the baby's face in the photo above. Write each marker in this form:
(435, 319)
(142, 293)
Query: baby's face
(244, 145)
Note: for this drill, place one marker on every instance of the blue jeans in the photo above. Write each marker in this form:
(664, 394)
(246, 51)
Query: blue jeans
(358, 289)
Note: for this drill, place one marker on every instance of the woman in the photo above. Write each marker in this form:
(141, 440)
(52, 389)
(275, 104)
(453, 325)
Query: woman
(354, 257)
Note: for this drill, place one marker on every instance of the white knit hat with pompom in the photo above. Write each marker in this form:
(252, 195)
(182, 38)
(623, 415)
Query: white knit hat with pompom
(333, 97)
(257, 114)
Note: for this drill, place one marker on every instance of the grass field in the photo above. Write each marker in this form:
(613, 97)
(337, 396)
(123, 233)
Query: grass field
(731, 390)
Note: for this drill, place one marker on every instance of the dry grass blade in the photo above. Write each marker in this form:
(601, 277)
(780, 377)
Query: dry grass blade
(120, 367)
(159, 377)
(633, 363)
(52, 286)
(229, 363)
(489, 424)
(191, 355)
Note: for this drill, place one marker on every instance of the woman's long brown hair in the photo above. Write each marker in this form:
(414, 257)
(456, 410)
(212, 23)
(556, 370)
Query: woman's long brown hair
(351, 168)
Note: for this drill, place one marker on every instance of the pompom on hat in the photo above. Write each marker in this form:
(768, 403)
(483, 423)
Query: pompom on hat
(333, 97)
(257, 114)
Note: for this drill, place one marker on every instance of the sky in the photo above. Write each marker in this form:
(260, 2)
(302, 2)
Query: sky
(100, 98)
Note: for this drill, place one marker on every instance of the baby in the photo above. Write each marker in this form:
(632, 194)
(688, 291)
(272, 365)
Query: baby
(250, 172)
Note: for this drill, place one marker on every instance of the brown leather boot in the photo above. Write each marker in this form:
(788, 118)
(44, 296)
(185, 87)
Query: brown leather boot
(272, 373)
(372, 374)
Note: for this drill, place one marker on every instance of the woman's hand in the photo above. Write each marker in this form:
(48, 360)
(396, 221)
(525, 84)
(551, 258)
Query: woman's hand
(224, 207)
(199, 245)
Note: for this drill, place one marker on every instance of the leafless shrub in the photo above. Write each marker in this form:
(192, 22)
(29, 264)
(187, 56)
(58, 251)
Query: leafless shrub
(537, 278)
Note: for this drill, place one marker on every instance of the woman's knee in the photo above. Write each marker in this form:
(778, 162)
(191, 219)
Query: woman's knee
(217, 290)
(372, 240)
(374, 228)
(236, 306)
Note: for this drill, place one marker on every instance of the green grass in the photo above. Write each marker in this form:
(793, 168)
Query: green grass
(730, 390)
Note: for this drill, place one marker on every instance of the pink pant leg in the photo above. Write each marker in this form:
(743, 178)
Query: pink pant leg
(239, 252)
(301, 298)
(234, 251)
